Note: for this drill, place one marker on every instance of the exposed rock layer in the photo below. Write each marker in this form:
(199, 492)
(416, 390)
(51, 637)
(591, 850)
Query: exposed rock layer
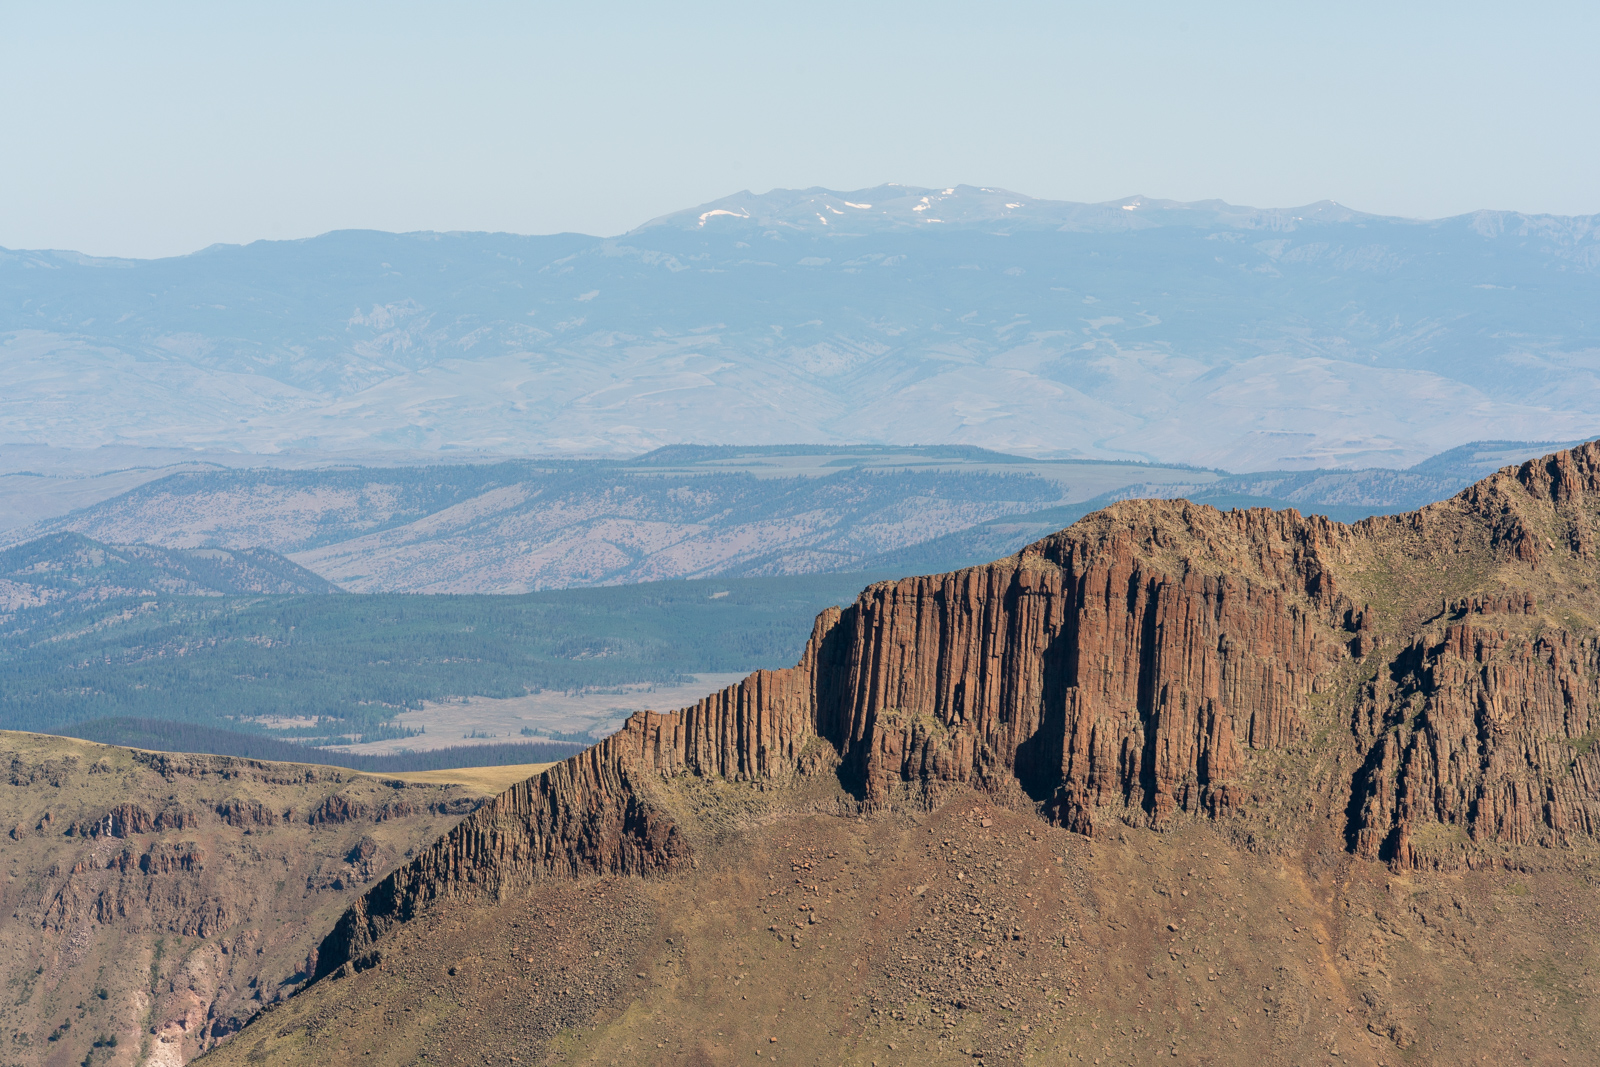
(1156, 660)
(155, 902)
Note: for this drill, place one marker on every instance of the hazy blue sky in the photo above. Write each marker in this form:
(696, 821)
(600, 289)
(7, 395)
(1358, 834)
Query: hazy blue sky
(154, 129)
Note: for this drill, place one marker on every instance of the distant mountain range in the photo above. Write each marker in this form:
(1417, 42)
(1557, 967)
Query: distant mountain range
(524, 525)
(1208, 334)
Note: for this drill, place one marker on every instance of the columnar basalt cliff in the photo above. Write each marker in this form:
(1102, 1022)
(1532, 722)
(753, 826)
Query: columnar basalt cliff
(1158, 660)
(1090, 669)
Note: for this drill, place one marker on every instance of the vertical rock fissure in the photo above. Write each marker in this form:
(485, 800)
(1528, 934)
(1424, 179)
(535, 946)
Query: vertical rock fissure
(1145, 709)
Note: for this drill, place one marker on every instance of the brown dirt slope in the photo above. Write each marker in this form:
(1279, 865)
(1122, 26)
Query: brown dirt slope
(1214, 787)
(154, 902)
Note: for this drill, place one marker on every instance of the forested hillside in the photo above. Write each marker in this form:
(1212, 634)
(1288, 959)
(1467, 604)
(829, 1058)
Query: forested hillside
(516, 526)
(338, 668)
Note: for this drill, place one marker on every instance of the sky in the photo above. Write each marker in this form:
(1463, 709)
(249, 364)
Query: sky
(157, 129)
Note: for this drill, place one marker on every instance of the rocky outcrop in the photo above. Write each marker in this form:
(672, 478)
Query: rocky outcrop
(1481, 731)
(122, 820)
(339, 809)
(1490, 733)
(175, 765)
(242, 813)
(1131, 668)
(125, 820)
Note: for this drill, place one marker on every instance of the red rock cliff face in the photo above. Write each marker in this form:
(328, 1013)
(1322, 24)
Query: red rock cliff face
(1487, 733)
(1127, 668)
(1090, 669)
(1087, 671)
(1482, 730)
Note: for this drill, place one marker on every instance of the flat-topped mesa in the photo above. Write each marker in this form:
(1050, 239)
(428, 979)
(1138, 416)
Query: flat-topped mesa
(1125, 669)
(1090, 670)
(1119, 664)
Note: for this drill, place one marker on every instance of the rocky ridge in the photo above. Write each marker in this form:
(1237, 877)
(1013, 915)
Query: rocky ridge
(1422, 685)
